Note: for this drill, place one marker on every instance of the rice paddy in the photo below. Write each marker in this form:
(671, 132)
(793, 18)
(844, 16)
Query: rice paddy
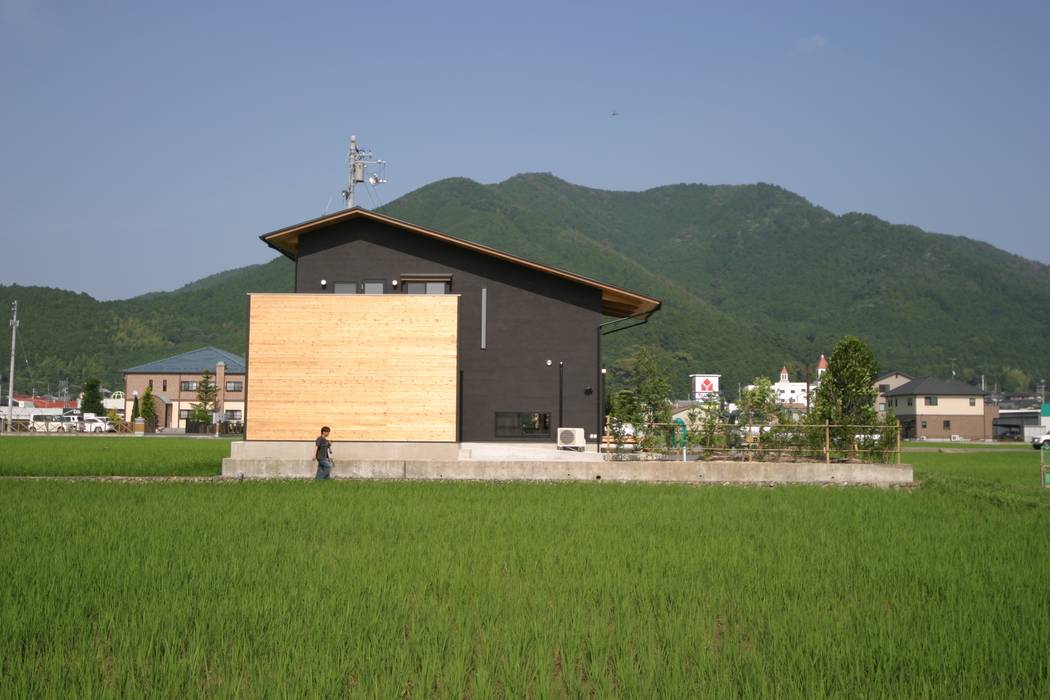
(384, 589)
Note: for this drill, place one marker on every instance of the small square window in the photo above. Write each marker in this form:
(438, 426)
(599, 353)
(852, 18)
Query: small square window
(909, 402)
(924, 424)
(184, 413)
(973, 401)
(947, 425)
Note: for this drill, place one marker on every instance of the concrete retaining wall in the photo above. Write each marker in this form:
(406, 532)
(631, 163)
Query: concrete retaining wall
(532, 470)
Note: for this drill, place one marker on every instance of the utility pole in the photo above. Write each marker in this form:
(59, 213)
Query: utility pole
(359, 161)
(11, 374)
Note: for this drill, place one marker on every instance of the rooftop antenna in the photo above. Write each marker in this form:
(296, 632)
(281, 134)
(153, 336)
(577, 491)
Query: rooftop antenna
(359, 161)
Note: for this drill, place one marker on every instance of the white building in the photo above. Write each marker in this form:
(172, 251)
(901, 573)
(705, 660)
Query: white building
(797, 395)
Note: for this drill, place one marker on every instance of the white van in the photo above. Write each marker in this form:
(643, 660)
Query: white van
(46, 423)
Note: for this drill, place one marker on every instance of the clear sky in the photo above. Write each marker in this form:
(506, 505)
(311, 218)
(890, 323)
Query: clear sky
(144, 145)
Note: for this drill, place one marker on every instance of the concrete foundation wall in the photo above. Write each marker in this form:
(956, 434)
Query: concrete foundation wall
(533, 470)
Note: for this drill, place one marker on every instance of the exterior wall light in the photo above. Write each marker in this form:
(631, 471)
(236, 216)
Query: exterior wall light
(324, 283)
(549, 363)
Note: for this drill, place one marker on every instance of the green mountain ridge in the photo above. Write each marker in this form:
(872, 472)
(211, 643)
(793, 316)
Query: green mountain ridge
(752, 277)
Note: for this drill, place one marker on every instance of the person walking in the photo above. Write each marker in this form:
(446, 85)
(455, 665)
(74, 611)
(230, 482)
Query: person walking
(323, 455)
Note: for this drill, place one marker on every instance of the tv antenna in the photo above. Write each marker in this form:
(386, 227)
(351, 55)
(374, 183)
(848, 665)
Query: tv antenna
(359, 161)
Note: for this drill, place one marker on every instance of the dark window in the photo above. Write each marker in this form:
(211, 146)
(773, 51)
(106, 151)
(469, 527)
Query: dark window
(947, 425)
(164, 385)
(909, 402)
(184, 413)
(528, 424)
(973, 402)
(151, 384)
(345, 288)
(372, 287)
(233, 415)
(234, 386)
(924, 424)
(883, 388)
(930, 400)
(436, 285)
(187, 386)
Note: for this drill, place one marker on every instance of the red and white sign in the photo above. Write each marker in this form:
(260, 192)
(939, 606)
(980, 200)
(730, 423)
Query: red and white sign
(704, 385)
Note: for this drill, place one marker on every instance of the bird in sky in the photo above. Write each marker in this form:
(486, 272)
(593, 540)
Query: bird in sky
(614, 114)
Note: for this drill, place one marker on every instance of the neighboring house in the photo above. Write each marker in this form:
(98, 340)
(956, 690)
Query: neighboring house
(398, 333)
(886, 382)
(936, 408)
(174, 382)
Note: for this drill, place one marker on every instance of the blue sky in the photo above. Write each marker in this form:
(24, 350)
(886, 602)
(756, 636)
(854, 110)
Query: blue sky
(146, 145)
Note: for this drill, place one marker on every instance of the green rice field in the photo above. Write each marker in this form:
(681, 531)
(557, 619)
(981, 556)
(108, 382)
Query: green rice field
(441, 589)
(111, 455)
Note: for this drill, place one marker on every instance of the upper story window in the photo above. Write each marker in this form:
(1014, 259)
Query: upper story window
(930, 400)
(909, 402)
(164, 385)
(234, 386)
(187, 386)
(426, 284)
(362, 287)
(973, 401)
(883, 388)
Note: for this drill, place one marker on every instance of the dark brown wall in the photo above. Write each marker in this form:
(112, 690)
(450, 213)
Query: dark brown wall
(532, 317)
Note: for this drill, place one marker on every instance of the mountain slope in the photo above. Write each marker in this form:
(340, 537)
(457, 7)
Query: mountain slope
(752, 277)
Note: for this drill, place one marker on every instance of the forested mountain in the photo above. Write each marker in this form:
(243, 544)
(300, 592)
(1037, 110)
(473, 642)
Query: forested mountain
(752, 277)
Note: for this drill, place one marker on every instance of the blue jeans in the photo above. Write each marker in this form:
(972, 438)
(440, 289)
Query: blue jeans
(324, 469)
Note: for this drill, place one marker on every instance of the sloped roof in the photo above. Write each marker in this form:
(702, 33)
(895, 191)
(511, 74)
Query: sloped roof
(615, 301)
(891, 372)
(928, 386)
(192, 362)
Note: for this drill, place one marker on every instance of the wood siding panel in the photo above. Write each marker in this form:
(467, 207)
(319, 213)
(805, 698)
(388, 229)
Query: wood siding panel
(373, 367)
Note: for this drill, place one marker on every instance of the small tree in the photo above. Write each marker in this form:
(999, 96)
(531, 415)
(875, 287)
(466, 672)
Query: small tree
(135, 409)
(149, 411)
(847, 392)
(644, 403)
(92, 401)
(207, 393)
(758, 402)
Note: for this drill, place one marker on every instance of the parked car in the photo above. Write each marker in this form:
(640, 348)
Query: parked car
(97, 425)
(1041, 441)
(46, 423)
(70, 423)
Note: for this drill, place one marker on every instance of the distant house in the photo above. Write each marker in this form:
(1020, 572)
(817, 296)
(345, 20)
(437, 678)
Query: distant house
(886, 382)
(936, 408)
(174, 382)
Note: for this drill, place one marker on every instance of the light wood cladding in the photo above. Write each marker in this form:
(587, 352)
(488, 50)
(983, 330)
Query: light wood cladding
(373, 367)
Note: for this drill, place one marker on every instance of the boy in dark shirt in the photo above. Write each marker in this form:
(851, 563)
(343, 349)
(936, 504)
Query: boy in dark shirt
(323, 455)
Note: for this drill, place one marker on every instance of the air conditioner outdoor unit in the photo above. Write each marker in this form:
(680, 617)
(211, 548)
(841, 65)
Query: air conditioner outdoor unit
(571, 437)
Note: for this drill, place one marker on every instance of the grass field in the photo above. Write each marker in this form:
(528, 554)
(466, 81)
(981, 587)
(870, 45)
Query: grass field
(111, 455)
(384, 589)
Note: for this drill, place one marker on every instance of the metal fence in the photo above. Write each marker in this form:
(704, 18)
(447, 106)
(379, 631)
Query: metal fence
(792, 442)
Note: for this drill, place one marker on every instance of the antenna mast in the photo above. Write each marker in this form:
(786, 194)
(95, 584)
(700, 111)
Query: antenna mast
(359, 161)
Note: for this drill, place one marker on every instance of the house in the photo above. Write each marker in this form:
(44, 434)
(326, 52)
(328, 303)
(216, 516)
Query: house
(401, 334)
(174, 382)
(935, 408)
(885, 382)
